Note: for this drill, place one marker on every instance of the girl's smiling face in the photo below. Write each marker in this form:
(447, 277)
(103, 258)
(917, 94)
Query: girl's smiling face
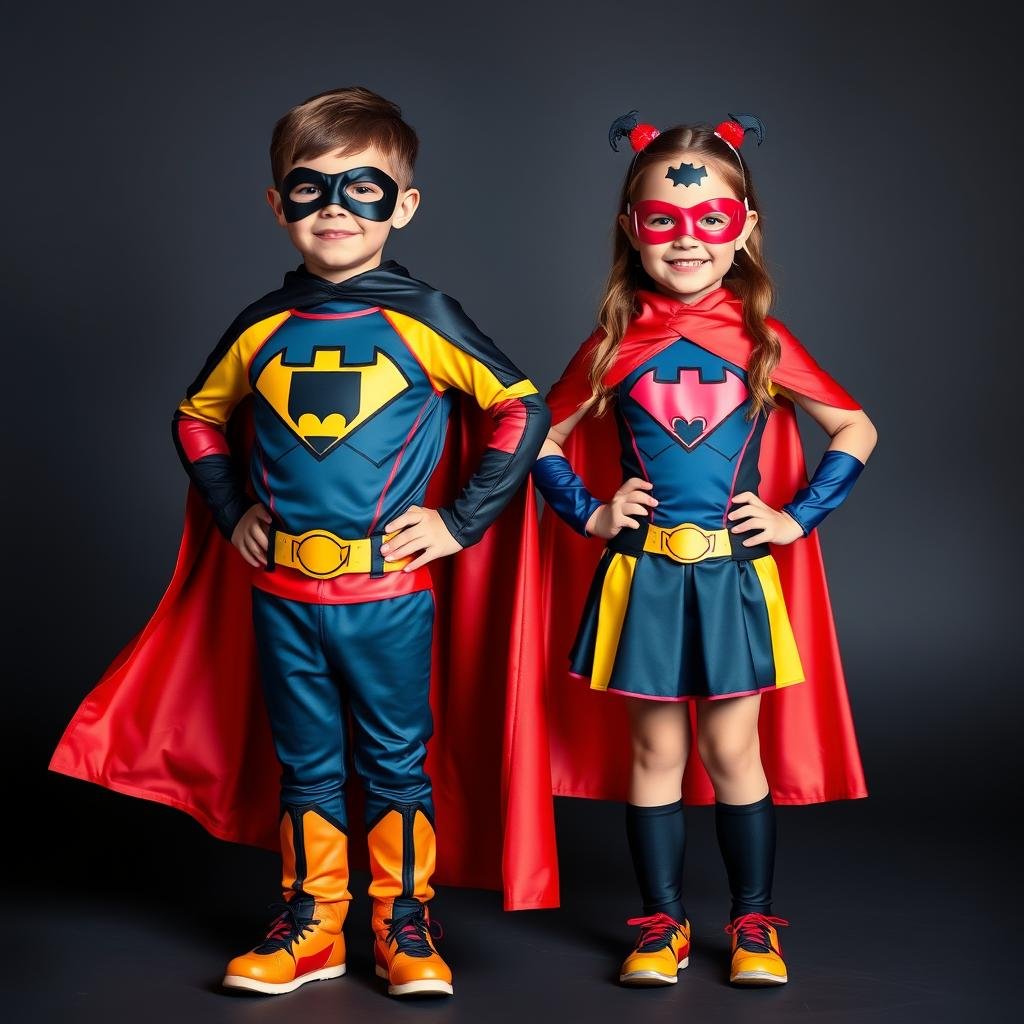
(687, 267)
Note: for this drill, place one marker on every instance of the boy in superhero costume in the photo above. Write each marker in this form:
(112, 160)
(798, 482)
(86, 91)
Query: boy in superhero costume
(340, 387)
(696, 586)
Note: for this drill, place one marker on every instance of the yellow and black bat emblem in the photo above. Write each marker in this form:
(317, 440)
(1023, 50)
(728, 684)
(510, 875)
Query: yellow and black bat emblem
(325, 400)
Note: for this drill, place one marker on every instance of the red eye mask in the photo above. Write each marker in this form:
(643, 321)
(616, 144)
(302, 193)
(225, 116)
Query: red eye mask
(714, 220)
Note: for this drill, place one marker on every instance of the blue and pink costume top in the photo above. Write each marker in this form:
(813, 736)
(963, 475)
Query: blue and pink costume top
(669, 629)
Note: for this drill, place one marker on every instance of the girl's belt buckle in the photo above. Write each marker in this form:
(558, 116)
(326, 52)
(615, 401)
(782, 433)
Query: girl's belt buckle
(687, 542)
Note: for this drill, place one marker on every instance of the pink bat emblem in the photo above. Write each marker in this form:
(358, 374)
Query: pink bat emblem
(689, 408)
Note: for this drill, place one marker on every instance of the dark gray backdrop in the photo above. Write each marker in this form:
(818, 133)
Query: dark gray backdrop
(135, 166)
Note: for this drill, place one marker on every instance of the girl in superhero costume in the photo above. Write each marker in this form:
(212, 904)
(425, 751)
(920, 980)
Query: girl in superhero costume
(706, 588)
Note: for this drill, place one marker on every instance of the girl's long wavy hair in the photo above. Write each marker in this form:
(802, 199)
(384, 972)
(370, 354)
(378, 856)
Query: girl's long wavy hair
(747, 277)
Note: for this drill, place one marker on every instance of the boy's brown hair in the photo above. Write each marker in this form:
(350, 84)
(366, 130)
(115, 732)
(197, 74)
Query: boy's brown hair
(347, 119)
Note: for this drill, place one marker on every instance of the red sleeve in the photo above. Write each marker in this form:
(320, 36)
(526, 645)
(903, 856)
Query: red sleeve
(198, 439)
(218, 476)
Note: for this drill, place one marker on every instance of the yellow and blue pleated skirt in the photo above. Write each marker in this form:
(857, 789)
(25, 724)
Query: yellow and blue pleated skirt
(658, 629)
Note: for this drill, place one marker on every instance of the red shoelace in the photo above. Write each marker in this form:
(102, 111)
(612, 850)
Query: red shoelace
(656, 931)
(290, 925)
(751, 931)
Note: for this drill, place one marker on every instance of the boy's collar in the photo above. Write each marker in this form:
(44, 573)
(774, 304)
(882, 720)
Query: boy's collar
(390, 266)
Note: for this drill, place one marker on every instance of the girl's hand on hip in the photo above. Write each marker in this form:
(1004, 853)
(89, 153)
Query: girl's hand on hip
(765, 524)
(631, 499)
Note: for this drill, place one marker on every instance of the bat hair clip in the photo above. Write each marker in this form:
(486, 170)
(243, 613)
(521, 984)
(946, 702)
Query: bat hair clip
(732, 133)
(627, 127)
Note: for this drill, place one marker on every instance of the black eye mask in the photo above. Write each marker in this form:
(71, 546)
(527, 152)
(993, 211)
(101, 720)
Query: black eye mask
(332, 192)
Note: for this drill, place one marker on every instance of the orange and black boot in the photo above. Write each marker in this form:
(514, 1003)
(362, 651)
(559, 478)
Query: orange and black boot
(402, 855)
(305, 941)
(756, 951)
(660, 953)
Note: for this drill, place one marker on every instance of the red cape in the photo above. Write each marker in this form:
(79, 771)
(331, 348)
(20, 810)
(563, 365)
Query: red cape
(179, 717)
(807, 740)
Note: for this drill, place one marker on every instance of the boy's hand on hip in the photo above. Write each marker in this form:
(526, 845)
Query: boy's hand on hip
(250, 535)
(419, 529)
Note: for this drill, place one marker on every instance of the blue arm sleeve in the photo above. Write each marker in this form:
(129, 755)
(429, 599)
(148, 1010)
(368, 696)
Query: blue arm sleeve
(564, 491)
(832, 482)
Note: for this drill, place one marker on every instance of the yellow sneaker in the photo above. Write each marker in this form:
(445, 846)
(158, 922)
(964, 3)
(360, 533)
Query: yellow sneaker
(304, 943)
(756, 951)
(660, 953)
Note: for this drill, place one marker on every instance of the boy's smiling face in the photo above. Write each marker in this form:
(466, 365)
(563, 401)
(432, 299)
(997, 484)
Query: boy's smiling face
(335, 243)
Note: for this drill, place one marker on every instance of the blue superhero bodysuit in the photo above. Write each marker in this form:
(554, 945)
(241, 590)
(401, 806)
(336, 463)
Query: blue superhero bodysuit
(351, 391)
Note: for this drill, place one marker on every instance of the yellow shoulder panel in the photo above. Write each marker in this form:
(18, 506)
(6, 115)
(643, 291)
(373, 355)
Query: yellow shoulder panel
(449, 366)
(228, 383)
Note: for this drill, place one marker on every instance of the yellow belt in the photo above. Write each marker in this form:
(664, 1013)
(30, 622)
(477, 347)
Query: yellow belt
(324, 555)
(687, 542)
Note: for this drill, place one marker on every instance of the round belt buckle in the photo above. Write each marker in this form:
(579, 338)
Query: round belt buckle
(321, 555)
(688, 543)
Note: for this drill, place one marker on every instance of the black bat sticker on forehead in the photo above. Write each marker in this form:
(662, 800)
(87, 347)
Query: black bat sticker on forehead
(686, 174)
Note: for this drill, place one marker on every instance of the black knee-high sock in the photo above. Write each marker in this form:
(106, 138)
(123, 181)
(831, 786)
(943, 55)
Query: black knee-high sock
(746, 837)
(657, 841)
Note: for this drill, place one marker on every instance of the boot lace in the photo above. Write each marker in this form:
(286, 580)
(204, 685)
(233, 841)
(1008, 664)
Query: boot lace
(656, 931)
(289, 926)
(751, 931)
(411, 930)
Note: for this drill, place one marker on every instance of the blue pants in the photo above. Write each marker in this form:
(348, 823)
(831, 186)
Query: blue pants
(372, 658)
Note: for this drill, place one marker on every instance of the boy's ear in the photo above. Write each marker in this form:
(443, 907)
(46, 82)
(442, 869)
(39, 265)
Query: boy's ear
(405, 208)
(627, 226)
(274, 199)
